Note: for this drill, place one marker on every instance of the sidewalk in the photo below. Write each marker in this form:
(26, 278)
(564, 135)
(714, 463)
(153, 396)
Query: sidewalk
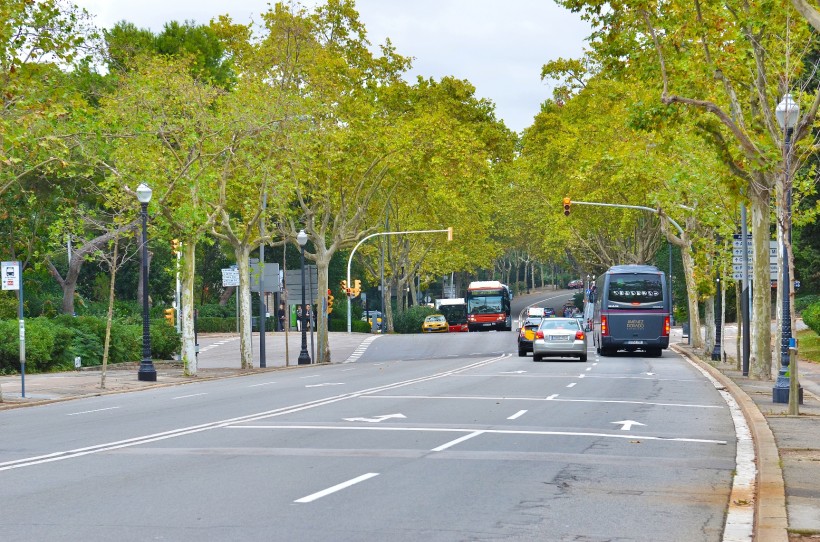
(787, 448)
(219, 359)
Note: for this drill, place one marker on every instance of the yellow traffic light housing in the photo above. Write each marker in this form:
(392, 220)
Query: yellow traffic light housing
(357, 287)
(175, 246)
(344, 285)
(169, 316)
(450, 233)
(567, 203)
(329, 302)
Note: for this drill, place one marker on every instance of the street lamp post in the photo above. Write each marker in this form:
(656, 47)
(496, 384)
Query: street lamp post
(787, 113)
(304, 357)
(146, 372)
(716, 351)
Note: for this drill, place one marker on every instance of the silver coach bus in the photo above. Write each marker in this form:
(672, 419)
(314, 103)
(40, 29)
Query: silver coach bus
(631, 310)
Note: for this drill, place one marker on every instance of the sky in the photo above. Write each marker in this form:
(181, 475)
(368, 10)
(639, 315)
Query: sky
(497, 45)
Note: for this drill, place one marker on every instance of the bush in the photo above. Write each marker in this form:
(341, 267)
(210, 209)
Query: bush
(803, 302)
(209, 324)
(410, 321)
(356, 325)
(40, 336)
(216, 311)
(811, 317)
(125, 343)
(165, 341)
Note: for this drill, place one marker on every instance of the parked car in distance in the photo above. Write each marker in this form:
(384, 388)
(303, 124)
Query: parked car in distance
(575, 284)
(559, 337)
(435, 323)
(526, 334)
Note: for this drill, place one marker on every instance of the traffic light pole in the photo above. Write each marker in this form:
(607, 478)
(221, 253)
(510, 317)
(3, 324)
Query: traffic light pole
(449, 232)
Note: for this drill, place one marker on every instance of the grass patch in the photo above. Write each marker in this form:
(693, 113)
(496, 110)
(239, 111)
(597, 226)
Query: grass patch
(808, 346)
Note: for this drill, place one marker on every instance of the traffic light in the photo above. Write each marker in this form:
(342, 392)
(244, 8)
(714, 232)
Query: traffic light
(450, 233)
(357, 287)
(169, 315)
(329, 301)
(175, 246)
(567, 203)
(344, 286)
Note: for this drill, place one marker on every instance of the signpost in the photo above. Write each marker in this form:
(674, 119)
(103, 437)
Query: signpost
(737, 257)
(12, 280)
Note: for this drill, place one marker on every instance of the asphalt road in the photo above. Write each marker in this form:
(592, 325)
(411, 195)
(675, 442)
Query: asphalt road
(425, 437)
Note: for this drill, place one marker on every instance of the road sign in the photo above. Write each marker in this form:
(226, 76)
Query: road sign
(271, 277)
(11, 275)
(230, 276)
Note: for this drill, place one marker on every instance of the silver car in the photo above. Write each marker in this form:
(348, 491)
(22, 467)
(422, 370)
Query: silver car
(559, 337)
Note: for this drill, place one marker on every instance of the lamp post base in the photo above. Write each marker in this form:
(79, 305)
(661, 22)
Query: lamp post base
(304, 358)
(781, 389)
(147, 372)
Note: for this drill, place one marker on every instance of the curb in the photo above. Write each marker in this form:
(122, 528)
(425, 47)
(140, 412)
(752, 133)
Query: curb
(770, 517)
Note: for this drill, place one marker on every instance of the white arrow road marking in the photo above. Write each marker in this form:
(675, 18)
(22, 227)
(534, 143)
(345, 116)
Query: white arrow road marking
(325, 384)
(337, 487)
(377, 419)
(626, 425)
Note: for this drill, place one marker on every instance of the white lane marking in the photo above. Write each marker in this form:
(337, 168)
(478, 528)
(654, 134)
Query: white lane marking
(337, 487)
(90, 411)
(375, 419)
(360, 350)
(325, 384)
(216, 344)
(517, 415)
(550, 398)
(472, 432)
(588, 369)
(187, 396)
(189, 430)
(261, 384)
(571, 384)
(512, 372)
(740, 518)
(311, 376)
(626, 425)
(582, 375)
(594, 364)
(345, 370)
(456, 441)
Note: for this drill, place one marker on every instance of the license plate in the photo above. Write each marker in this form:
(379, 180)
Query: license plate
(634, 342)
(559, 338)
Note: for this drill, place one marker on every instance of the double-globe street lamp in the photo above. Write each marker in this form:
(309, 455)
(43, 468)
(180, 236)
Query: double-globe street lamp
(787, 113)
(146, 372)
(304, 357)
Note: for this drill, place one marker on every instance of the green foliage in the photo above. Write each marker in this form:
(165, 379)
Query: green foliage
(215, 311)
(165, 340)
(213, 324)
(8, 306)
(40, 337)
(811, 317)
(410, 321)
(803, 302)
(356, 325)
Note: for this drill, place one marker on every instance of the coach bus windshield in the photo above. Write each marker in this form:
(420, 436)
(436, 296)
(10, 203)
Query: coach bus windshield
(645, 290)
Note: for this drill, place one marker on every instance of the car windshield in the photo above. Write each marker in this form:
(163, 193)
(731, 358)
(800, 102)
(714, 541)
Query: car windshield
(554, 323)
(435, 319)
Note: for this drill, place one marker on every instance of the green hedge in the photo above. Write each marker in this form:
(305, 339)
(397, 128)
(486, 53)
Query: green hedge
(53, 343)
(340, 324)
(410, 321)
(803, 302)
(210, 324)
(811, 317)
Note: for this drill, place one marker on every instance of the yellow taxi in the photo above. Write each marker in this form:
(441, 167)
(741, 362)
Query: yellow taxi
(435, 323)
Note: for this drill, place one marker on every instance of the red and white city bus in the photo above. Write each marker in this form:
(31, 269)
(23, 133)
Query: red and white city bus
(488, 306)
